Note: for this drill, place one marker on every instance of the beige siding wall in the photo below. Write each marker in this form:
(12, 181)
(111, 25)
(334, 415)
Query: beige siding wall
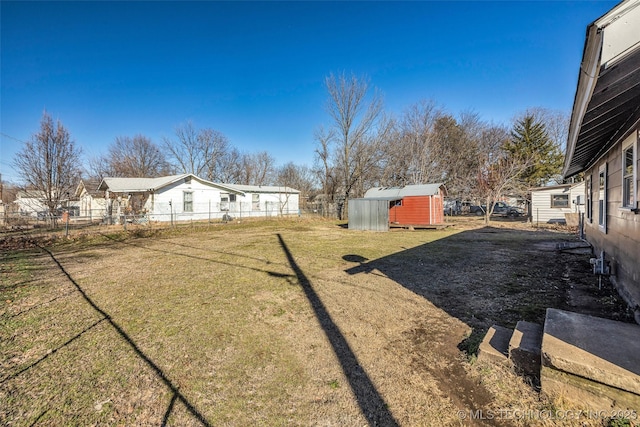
(621, 238)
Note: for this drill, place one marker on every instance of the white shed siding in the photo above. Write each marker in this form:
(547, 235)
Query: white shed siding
(541, 209)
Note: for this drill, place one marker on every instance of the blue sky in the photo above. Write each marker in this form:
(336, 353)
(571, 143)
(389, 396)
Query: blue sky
(255, 70)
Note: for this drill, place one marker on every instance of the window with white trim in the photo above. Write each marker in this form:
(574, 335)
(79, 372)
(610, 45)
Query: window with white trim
(602, 197)
(559, 201)
(629, 173)
(224, 202)
(187, 201)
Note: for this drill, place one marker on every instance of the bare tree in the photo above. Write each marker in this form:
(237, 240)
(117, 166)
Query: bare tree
(257, 169)
(355, 121)
(498, 171)
(215, 148)
(324, 168)
(184, 152)
(230, 167)
(417, 154)
(49, 164)
(99, 167)
(296, 177)
(200, 152)
(136, 157)
(431, 146)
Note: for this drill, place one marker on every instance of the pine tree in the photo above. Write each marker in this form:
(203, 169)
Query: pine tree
(530, 141)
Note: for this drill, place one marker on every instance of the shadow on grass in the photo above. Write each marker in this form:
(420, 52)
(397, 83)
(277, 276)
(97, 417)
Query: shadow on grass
(33, 307)
(52, 352)
(200, 258)
(177, 395)
(482, 277)
(371, 402)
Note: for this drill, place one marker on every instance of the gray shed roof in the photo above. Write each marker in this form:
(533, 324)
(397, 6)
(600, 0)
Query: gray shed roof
(391, 193)
(140, 185)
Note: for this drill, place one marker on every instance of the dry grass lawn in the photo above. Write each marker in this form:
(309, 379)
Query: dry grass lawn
(281, 322)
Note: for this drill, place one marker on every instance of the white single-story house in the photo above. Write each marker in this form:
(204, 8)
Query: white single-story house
(30, 202)
(269, 200)
(187, 197)
(551, 204)
(90, 201)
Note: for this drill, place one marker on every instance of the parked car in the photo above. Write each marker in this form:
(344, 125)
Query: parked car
(499, 208)
(452, 207)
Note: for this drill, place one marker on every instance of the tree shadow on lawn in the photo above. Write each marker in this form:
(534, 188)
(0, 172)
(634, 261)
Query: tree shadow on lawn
(372, 404)
(482, 277)
(176, 393)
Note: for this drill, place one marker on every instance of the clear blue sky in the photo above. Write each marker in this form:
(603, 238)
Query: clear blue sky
(255, 70)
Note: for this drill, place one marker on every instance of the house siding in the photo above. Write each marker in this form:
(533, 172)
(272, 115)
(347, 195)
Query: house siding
(205, 202)
(270, 204)
(541, 210)
(620, 240)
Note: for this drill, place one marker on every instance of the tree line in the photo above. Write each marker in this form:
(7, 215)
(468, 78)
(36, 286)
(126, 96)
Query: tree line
(363, 147)
(360, 147)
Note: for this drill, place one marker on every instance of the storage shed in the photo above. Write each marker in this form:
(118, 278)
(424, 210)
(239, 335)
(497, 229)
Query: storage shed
(420, 205)
(551, 204)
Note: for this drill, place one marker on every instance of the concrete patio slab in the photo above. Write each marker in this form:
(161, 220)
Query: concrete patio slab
(598, 350)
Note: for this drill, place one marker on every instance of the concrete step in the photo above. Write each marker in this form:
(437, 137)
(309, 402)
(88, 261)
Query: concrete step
(524, 348)
(594, 361)
(495, 345)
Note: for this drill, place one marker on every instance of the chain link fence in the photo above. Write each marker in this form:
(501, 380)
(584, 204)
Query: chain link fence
(66, 221)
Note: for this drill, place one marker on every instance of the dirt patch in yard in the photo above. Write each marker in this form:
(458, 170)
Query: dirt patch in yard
(279, 323)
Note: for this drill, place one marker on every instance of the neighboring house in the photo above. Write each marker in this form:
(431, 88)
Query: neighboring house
(187, 197)
(265, 200)
(30, 202)
(603, 143)
(90, 201)
(420, 205)
(551, 204)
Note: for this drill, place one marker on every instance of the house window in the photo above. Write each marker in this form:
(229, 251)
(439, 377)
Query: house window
(602, 197)
(560, 201)
(588, 205)
(396, 203)
(628, 177)
(224, 202)
(232, 198)
(187, 201)
(255, 202)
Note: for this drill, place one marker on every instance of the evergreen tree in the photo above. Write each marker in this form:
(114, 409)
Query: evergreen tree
(530, 141)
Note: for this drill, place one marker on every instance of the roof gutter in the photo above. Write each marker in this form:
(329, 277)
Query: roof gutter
(587, 78)
(592, 63)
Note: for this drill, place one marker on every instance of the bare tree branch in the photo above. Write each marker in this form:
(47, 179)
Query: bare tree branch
(49, 164)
